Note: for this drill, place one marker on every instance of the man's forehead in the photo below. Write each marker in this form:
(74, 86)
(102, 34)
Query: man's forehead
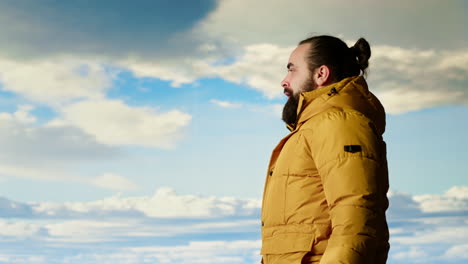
(298, 55)
(301, 50)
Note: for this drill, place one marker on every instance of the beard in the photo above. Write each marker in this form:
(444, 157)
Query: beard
(290, 108)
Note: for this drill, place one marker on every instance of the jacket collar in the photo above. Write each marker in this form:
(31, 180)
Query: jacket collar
(350, 93)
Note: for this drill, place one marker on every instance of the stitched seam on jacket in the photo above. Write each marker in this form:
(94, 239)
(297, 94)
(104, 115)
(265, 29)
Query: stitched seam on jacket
(296, 224)
(351, 157)
(355, 205)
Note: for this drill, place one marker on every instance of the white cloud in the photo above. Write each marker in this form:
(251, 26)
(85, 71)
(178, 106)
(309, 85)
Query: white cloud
(114, 182)
(34, 151)
(408, 79)
(225, 104)
(37, 172)
(440, 232)
(176, 70)
(22, 114)
(20, 229)
(75, 88)
(194, 252)
(402, 206)
(10, 208)
(206, 246)
(261, 66)
(412, 253)
(113, 122)
(23, 258)
(458, 192)
(455, 199)
(402, 100)
(25, 142)
(46, 173)
(84, 230)
(56, 80)
(165, 203)
(204, 251)
(457, 252)
(404, 79)
(37, 151)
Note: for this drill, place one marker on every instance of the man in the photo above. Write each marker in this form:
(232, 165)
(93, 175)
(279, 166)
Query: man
(325, 192)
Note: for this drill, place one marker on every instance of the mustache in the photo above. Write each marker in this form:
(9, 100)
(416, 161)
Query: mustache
(288, 92)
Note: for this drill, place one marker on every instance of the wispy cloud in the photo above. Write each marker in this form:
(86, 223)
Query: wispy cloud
(225, 104)
(459, 252)
(114, 182)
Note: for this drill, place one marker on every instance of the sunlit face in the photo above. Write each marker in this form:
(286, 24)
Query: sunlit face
(296, 81)
(298, 72)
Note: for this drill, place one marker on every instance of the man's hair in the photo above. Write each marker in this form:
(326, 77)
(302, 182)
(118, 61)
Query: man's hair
(335, 54)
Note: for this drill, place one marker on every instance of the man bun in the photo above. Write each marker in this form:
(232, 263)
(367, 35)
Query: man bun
(362, 52)
(333, 52)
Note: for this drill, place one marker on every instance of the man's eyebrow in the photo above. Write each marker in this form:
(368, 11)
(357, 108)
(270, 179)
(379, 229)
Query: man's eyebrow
(289, 65)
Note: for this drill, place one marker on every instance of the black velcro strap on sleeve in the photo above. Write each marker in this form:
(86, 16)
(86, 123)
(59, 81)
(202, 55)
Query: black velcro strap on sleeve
(352, 148)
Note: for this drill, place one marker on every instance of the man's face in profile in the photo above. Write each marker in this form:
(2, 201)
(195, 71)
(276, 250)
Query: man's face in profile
(297, 80)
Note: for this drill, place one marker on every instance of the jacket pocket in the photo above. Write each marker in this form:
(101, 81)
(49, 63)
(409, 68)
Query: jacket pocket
(303, 197)
(274, 204)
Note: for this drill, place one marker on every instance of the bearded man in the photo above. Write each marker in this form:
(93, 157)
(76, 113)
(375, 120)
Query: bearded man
(325, 193)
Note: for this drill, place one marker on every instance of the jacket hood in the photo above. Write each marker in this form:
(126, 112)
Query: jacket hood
(349, 93)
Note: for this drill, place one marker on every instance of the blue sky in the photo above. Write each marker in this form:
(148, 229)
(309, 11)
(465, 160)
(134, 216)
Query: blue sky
(148, 126)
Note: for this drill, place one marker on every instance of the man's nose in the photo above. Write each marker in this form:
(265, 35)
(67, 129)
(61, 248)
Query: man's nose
(284, 83)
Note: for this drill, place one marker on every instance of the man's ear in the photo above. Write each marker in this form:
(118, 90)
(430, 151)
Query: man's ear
(322, 76)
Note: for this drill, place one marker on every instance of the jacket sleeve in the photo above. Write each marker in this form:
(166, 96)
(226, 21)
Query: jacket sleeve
(350, 158)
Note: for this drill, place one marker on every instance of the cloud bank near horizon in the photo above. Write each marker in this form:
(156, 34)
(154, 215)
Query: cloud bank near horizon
(167, 227)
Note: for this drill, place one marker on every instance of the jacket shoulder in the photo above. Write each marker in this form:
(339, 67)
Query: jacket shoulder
(335, 114)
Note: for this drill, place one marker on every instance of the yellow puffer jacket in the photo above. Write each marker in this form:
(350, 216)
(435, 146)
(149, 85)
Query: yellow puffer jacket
(326, 185)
